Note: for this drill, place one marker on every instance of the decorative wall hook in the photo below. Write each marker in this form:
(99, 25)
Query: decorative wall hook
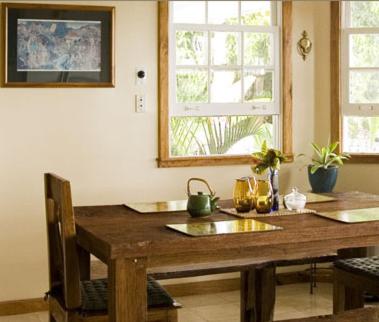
(304, 45)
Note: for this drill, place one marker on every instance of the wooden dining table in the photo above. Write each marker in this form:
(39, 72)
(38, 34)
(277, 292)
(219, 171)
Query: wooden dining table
(134, 244)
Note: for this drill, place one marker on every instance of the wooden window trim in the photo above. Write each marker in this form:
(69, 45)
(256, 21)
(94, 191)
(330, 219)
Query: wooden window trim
(164, 160)
(335, 85)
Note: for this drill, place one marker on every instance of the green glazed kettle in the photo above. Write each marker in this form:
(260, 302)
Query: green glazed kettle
(201, 205)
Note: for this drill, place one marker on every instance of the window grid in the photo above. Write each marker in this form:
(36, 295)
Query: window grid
(348, 107)
(364, 142)
(242, 107)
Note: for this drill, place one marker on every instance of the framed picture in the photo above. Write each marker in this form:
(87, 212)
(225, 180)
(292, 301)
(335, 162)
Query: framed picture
(57, 45)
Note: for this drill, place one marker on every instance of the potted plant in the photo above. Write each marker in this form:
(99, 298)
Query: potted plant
(269, 159)
(323, 171)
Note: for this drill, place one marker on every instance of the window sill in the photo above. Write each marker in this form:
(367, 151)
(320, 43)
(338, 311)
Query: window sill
(209, 161)
(363, 158)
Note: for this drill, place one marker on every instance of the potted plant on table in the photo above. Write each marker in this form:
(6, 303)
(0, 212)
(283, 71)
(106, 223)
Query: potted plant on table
(269, 159)
(323, 171)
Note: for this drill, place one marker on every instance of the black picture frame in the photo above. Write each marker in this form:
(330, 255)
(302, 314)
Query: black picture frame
(46, 45)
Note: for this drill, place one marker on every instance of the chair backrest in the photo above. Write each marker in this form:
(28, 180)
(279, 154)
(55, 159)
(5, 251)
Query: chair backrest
(62, 247)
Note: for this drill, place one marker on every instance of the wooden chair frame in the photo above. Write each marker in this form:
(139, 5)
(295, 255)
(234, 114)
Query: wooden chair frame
(64, 260)
(349, 288)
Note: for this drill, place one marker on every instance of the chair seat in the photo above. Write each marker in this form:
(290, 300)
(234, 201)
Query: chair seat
(94, 295)
(366, 266)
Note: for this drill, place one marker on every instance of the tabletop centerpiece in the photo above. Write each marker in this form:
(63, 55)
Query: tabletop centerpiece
(269, 159)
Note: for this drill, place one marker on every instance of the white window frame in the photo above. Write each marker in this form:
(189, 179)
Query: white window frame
(272, 108)
(353, 109)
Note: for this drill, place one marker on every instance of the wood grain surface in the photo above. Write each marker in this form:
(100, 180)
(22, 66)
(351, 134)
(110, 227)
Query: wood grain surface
(117, 232)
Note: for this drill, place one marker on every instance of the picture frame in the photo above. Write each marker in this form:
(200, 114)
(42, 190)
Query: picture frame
(51, 45)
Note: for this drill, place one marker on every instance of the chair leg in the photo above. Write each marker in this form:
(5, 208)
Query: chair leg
(353, 299)
(51, 318)
(346, 298)
(172, 315)
(338, 296)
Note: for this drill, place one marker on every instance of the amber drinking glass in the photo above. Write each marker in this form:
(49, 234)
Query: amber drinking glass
(243, 195)
(263, 197)
(253, 185)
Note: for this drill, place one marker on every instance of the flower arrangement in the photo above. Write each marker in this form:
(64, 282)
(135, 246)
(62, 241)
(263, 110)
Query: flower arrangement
(267, 159)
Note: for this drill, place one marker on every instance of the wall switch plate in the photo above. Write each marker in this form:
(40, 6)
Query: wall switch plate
(140, 103)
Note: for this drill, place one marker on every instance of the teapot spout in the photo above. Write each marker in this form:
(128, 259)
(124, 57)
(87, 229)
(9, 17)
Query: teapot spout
(214, 201)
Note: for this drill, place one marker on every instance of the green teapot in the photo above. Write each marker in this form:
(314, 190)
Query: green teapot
(201, 205)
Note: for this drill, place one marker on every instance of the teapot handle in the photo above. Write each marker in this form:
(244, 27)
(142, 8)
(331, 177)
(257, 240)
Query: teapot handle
(212, 193)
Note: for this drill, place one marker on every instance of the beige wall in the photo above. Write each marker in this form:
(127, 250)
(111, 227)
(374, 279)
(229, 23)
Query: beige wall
(94, 138)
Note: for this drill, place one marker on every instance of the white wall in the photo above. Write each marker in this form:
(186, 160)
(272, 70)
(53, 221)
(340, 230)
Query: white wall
(94, 138)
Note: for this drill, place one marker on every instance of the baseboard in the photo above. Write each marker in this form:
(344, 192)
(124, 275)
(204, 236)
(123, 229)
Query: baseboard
(176, 290)
(22, 306)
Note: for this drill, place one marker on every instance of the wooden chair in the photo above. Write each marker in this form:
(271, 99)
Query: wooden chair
(70, 298)
(352, 278)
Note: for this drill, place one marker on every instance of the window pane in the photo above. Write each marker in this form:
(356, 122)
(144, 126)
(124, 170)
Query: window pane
(364, 87)
(225, 48)
(258, 48)
(364, 13)
(361, 134)
(225, 86)
(256, 13)
(189, 12)
(258, 86)
(223, 12)
(228, 135)
(364, 50)
(191, 86)
(191, 48)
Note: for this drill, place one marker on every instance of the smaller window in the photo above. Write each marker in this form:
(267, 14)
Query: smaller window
(360, 77)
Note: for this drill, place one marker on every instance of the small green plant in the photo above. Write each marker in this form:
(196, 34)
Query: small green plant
(327, 157)
(266, 159)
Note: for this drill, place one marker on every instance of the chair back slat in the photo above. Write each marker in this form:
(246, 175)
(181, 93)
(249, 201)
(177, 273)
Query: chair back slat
(63, 256)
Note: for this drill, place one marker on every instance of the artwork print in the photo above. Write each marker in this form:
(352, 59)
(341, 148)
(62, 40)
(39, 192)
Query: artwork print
(58, 45)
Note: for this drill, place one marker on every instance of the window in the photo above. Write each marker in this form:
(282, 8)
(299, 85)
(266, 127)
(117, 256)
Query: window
(220, 81)
(360, 77)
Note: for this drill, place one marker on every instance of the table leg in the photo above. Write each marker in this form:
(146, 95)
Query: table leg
(248, 313)
(127, 285)
(258, 294)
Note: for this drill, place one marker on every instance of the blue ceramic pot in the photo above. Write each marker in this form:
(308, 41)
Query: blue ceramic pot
(323, 180)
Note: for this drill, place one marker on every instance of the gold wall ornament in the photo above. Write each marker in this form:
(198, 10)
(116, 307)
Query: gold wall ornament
(304, 45)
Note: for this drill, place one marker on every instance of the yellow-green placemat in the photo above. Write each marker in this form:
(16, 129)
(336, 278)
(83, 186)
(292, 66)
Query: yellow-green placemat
(352, 216)
(254, 214)
(159, 206)
(223, 227)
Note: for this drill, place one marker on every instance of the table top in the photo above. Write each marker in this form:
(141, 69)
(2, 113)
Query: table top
(114, 231)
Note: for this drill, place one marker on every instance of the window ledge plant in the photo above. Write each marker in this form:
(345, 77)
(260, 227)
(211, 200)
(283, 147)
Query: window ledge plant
(323, 171)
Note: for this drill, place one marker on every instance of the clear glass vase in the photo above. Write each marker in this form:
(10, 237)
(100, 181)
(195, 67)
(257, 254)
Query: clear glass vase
(273, 177)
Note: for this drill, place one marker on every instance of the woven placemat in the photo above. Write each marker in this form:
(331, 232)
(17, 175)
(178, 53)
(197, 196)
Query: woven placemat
(254, 214)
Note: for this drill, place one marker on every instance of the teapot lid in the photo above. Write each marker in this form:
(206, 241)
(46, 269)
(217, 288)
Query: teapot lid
(295, 195)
